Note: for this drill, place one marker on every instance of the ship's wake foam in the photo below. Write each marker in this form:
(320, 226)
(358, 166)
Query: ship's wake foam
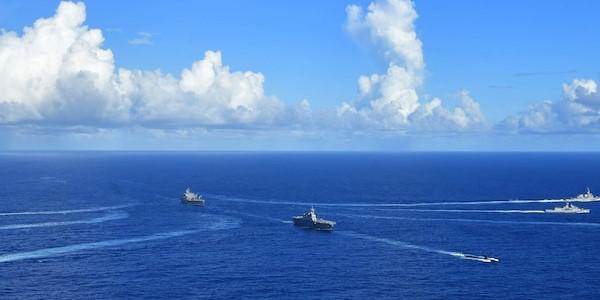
(222, 224)
(457, 203)
(415, 247)
(68, 211)
(386, 241)
(501, 211)
(583, 224)
(56, 251)
(109, 217)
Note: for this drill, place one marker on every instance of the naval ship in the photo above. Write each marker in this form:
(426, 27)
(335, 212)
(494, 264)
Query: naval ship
(310, 220)
(568, 209)
(190, 197)
(481, 258)
(585, 197)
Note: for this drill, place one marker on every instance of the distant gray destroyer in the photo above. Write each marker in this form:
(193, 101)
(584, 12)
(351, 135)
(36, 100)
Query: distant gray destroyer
(585, 197)
(310, 220)
(190, 197)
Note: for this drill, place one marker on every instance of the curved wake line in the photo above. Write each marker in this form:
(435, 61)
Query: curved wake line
(68, 211)
(504, 211)
(485, 202)
(412, 246)
(109, 217)
(48, 252)
(475, 220)
(56, 251)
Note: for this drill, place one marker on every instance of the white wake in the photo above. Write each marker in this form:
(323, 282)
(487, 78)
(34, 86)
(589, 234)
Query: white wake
(109, 217)
(502, 211)
(585, 224)
(482, 202)
(67, 211)
(48, 252)
(222, 224)
(413, 246)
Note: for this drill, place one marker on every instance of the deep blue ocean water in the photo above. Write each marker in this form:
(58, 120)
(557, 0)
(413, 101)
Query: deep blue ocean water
(98, 225)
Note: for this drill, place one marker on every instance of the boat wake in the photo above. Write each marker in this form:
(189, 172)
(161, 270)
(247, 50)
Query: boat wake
(56, 251)
(417, 247)
(502, 211)
(109, 217)
(222, 224)
(482, 202)
(67, 211)
(388, 241)
(255, 216)
(584, 224)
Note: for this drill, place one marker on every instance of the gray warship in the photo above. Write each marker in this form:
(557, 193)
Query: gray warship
(310, 220)
(190, 197)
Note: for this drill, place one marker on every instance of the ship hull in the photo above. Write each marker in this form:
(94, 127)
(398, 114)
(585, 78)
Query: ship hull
(318, 225)
(196, 202)
(583, 211)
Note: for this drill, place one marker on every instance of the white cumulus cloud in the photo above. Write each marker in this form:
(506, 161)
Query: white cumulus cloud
(57, 72)
(578, 111)
(391, 101)
(142, 38)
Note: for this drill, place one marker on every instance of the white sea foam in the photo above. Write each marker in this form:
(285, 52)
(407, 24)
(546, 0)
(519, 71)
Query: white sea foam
(503, 211)
(382, 240)
(482, 202)
(109, 217)
(222, 224)
(585, 224)
(48, 252)
(410, 246)
(67, 211)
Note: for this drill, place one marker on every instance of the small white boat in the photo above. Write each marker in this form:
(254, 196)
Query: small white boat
(481, 258)
(310, 220)
(190, 197)
(568, 209)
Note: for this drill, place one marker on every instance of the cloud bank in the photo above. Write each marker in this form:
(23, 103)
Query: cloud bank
(391, 101)
(57, 72)
(577, 112)
(142, 38)
(58, 78)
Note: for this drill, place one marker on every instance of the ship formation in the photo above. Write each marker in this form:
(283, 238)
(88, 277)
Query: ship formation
(309, 220)
(569, 208)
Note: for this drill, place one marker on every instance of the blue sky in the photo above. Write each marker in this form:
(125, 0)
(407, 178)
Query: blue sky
(508, 55)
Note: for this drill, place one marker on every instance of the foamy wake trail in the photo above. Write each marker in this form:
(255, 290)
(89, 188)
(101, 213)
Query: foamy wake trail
(486, 202)
(584, 224)
(225, 223)
(255, 216)
(502, 211)
(68, 211)
(48, 252)
(109, 217)
(406, 245)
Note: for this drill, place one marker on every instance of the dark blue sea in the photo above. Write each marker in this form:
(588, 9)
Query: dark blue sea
(109, 225)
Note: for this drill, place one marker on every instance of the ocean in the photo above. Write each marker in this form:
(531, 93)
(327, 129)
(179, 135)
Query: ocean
(109, 225)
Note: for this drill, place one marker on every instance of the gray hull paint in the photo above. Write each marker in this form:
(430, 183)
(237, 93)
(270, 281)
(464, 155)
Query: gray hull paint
(318, 225)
